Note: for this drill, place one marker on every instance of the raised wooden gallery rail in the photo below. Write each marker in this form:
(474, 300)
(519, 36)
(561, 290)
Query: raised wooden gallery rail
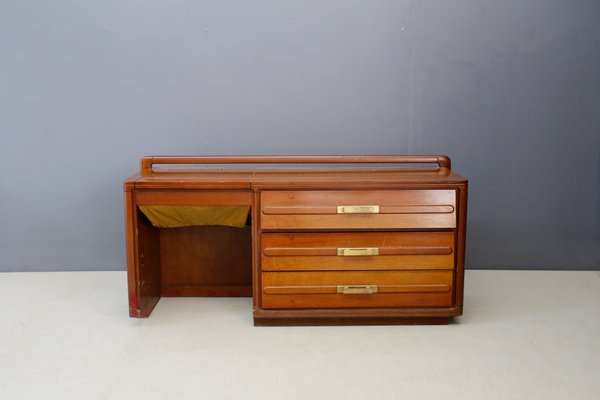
(147, 163)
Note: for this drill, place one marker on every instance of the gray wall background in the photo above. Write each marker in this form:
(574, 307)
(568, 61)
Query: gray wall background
(509, 89)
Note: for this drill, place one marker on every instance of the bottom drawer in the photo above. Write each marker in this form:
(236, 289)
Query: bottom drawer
(343, 289)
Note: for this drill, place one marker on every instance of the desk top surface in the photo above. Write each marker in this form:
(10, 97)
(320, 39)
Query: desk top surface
(255, 177)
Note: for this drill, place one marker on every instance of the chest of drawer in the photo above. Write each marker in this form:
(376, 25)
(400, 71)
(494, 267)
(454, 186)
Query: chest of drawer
(357, 251)
(358, 209)
(337, 289)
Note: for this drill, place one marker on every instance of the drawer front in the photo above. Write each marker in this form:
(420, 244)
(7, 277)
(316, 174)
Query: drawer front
(358, 209)
(357, 251)
(335, 289)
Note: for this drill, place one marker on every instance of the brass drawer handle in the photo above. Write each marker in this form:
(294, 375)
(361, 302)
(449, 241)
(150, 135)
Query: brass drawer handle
(357, 289)
(358, 209)
(355, 251)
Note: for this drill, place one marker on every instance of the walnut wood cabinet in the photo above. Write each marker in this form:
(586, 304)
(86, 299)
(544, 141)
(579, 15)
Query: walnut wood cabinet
(328, 239)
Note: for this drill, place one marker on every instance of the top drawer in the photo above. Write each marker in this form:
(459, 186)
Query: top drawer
(358, 209)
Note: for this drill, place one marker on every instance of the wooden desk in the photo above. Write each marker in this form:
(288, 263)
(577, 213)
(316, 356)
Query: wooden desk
(329, 244)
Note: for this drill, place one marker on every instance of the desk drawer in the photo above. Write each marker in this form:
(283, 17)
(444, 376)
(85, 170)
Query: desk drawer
(356, 289)
(357, 251)
(358, 209)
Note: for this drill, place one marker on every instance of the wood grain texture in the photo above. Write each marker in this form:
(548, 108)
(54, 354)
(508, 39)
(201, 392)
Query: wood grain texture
(315, 289)
(204, 257)
(256, 240)
(193, 197)
(326, 314)
(207, 291)
(429, 209)
(131, 249)
(318, 251)
(332, 210)
(262, 178)
(461, 241)
(148, 265)
(392, 288)
(356, 197)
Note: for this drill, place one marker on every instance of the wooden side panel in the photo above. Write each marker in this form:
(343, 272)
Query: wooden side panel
(319, 251)
(132, 260)
(256, 236)
(319, 289)
(206, 261)
(398, 209)
(148, 264)
(461, 238)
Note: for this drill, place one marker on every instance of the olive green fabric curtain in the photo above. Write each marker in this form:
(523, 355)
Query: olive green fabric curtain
(180, 216)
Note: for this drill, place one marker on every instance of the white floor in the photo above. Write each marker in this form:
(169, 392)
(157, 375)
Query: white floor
(524, 335)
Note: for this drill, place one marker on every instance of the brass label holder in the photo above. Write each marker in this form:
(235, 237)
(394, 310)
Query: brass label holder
(355, 251)
(357, 289)
(358, 209)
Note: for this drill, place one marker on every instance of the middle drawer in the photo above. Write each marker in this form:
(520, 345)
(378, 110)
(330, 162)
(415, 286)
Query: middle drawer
(357, 251)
